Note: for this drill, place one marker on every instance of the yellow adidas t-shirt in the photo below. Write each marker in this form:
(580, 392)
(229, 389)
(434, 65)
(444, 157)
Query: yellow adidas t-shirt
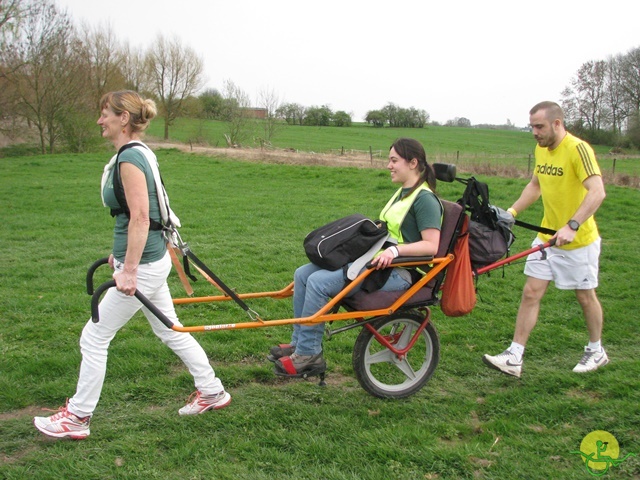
(561, 172)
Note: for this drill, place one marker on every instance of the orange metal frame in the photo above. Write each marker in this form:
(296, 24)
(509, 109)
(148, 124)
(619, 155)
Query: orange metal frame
(323, 315)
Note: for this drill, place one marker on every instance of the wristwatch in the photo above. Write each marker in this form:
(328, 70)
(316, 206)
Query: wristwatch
(573, 225)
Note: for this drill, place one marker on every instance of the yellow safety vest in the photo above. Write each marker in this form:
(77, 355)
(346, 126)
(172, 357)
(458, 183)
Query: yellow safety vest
(395, 212)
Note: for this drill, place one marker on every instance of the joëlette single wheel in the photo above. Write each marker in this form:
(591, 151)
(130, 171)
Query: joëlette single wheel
(384, 374)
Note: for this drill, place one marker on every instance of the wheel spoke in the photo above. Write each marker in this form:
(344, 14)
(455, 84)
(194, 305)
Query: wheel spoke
(383, 356)
(406, 368)
(405, 336)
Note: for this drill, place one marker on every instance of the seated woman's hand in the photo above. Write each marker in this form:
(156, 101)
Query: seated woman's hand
(385, 258)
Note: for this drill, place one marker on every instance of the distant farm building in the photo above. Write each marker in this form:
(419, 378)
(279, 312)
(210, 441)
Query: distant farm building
(260, 113)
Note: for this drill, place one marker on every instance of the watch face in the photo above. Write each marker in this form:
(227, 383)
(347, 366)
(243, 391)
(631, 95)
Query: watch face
(573, 225)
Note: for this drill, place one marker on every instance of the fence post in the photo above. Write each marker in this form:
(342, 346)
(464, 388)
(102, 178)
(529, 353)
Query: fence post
(529, 165)
(457, 157)
(342, 152)
(371, 155)
(614, 166)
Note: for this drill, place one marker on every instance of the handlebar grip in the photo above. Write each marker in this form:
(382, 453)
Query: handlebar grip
(92, 270)
(95, 301)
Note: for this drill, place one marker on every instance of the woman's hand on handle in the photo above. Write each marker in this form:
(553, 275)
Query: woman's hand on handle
(126, 282)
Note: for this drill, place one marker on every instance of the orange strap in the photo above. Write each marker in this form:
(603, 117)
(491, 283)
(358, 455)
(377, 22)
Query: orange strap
(180, 270)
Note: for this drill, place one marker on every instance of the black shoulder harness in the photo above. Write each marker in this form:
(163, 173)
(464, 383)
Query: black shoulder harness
(118, 189)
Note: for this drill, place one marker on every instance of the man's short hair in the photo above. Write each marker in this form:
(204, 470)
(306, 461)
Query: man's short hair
(553, 111)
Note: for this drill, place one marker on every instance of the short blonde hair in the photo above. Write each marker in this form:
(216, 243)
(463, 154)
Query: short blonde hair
(141, 111)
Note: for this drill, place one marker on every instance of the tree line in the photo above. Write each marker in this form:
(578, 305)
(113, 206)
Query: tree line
(323, 116)
(602, 100)
(393, 115)
(53, 74)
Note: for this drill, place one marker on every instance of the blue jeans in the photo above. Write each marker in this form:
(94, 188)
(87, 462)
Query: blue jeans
(313, 287)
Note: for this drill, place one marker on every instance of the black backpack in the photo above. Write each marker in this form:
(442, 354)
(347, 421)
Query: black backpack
(489, 238)
(342, 241)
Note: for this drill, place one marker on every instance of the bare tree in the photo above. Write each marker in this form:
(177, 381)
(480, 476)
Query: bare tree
(103, 57)
(631, 83)
(614, 93)
(44, 66)
(270, 101)
(175, 72)
(236, 114)
(12, 13)
(604, 97)
(587, 95)
(132, 68)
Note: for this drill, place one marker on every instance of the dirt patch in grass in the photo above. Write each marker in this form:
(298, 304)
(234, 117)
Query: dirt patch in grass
(278, 156)
(31, 411)
(332, 379)
(19, 455)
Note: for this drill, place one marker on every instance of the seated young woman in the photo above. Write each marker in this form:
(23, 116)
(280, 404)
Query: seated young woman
(413, 216)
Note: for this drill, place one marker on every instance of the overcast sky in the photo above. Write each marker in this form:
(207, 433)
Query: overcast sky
(487, 61)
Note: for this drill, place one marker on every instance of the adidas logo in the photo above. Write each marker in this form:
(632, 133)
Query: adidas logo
(549, 170)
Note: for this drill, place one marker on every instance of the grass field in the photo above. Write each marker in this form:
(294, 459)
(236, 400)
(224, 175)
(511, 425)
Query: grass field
(501, 149)
(246, 221)
(360, 137)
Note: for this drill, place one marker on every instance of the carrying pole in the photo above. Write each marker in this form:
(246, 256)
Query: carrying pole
(187, 251)
(515, 257)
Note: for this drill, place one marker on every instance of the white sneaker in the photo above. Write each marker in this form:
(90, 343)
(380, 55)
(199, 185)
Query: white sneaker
(63, 424)
(505, 362)
(591, 360)
(204, 403)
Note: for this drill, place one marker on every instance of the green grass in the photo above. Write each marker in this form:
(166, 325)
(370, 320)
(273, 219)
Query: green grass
(247, 221)
(436, 139)
(501, 149)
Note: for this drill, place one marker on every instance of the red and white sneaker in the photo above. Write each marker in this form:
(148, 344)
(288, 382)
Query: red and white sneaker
(204, 403)
(63, 424)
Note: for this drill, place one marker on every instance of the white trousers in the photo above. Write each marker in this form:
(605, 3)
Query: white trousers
(115, 310)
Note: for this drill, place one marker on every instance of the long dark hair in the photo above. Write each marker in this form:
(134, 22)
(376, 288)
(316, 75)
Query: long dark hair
(408, 148)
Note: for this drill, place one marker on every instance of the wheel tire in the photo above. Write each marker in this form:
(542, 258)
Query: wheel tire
(380, 372)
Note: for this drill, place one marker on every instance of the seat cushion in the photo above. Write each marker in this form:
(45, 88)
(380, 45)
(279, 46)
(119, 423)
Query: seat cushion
(380, 299)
